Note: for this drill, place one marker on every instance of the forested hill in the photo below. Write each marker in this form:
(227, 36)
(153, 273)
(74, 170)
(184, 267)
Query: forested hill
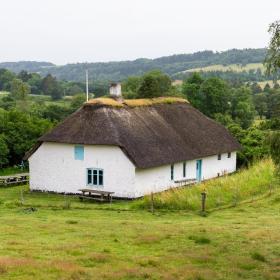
(30, 66)
(172, 65)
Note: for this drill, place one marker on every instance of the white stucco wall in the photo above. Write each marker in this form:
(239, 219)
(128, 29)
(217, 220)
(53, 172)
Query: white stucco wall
(54, 168)
(159, 178)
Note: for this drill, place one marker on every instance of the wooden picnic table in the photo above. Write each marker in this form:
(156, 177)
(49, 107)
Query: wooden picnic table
(14, 179)
(185, 181)
(96, 195)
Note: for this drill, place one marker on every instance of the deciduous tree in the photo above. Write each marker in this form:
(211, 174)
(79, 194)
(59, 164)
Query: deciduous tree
(272, 61)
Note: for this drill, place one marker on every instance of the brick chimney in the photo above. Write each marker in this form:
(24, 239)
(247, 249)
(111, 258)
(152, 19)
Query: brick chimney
(116, 90)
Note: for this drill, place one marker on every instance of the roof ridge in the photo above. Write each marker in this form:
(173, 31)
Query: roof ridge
(108, 101)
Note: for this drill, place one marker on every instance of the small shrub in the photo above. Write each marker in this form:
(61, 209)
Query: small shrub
(200, 239)
(71, 222)
(258, 257)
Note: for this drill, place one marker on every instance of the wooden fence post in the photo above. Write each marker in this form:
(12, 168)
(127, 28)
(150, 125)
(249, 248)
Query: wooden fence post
(270, 189)
(21, 196)
(152, 203)
(203, 201)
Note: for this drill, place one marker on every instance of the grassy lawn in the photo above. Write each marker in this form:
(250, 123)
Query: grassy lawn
(66, 239)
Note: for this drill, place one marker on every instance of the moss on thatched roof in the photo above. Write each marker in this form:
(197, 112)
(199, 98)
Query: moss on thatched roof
(107, 101)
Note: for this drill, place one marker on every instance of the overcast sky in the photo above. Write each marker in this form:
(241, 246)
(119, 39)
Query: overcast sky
(63, 31)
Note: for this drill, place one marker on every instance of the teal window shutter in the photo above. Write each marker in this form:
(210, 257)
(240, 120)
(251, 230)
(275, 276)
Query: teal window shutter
(79, 152)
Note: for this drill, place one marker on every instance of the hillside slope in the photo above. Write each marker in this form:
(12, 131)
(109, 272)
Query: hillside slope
(171, 65)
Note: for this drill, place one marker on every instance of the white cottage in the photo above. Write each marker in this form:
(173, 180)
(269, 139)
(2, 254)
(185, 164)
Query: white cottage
(132, 148)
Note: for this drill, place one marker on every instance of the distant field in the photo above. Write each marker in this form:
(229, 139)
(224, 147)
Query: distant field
(2, 93)
(43, 98)
(231, 67)
(270, 82)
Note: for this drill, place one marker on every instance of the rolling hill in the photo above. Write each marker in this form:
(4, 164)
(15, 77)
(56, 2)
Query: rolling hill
(173, 65)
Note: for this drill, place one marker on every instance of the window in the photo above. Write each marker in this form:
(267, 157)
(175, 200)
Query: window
(229, 155)
(172, 171)
(184, 169)
(79, 152)
(94, 177)
(219, 156)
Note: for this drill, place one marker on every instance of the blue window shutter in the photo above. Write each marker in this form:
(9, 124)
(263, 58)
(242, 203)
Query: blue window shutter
(79, 152)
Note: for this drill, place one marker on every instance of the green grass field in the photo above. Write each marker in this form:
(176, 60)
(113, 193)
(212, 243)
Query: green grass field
(67, 239)
(231, 67)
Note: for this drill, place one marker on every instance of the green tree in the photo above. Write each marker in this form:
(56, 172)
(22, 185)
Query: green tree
(215, 94)
(77, 101)
(256, 88)
(24, 76)
(260, 102)
(253, 141)
(272, 61)
(274, 141)
(74, 89)
(273, 105)
(276, 85)
(242, 107)
(267, 88)
(154, 84)
(35, 82)
(131, 86)
(191, 89)
(19, 89)
(6, 78)
(50, 86)
(21, 131)
(56, 113)
(4, 151)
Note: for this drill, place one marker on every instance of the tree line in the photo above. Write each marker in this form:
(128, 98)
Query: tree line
(116, 71)
(24, 83)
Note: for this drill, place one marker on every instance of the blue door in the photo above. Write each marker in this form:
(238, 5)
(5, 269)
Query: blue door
(198, 169)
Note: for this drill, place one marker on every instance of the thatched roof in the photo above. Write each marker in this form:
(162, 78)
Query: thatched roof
(151, 133)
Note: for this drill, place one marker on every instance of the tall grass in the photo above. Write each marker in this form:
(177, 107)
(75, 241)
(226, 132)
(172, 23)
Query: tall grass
(225, 191)
(12, 170)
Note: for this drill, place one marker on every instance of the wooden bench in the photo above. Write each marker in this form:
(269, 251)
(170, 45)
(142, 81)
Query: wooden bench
(15, 179)
(97, 195)
(184, 182)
